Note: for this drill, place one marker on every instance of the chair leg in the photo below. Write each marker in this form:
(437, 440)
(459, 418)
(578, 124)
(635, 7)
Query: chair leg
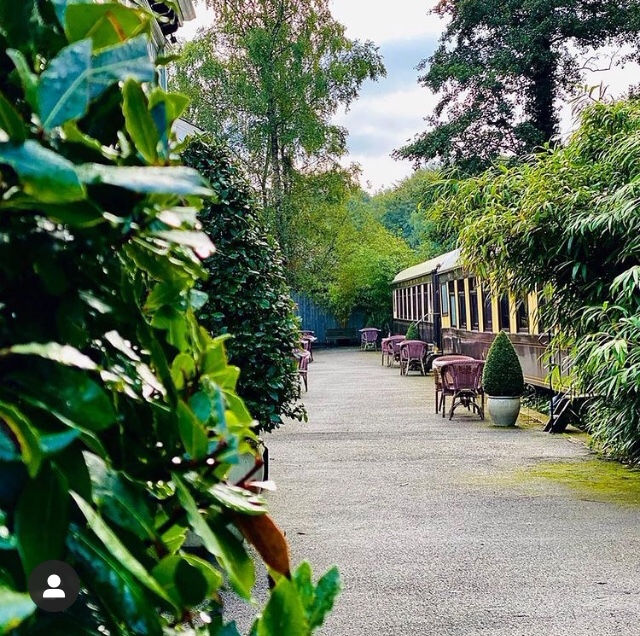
(443, 403)
(453, 407)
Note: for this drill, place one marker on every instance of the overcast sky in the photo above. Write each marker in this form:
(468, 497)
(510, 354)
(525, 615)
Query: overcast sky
(392, 110)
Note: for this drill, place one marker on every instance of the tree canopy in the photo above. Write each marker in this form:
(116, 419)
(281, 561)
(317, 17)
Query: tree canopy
(502, 66)
(267, 78)
(401, 210)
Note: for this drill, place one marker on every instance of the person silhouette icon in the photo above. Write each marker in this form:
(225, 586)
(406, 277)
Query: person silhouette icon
(53, 586)
(54, 590)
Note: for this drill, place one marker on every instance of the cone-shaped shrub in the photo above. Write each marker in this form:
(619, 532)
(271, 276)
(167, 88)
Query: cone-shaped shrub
(502, 371)
(412, 332)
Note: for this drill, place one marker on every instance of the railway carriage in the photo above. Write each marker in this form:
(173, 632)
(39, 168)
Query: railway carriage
(457, 312)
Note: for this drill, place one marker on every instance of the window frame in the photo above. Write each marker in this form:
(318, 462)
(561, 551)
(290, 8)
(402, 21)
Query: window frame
(501, 315)
(523, 302)
(473, 304)
(453, 303)
(487, 309)
(462, 304)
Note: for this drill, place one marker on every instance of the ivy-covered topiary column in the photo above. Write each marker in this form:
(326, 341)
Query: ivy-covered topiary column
(412, 332)
(247, 291)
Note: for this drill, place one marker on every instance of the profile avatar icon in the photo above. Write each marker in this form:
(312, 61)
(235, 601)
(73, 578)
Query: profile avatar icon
(53, 586)
(54, 590)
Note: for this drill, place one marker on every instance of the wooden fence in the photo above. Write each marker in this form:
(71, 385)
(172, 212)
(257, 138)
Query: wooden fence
(318, 319)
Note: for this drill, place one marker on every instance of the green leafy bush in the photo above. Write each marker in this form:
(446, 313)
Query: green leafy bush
(412, 332)
(502, 371)
(119, 419)
(247, 290)
(568, 222)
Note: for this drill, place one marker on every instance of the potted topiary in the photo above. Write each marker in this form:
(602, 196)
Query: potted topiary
(412, 332)
(503, 381)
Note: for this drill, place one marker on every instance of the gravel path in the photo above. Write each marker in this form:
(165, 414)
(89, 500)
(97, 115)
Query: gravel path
(431, 530)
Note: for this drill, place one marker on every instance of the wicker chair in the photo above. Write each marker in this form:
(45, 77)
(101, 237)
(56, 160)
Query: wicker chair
(386, 347)
(412, 351)
(369, 339)
(462, 380)
(303, 358)
(307, 344)
(395, 349)
(437, 362)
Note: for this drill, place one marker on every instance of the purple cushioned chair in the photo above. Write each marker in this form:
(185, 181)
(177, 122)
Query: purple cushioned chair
(395, 349)
(462, 380)
(436, 365)
(303, 358)
(412, 351)
(369, 339)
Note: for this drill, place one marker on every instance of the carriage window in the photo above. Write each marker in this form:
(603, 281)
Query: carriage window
(416, 305)
(487, 311)
(462, 305)
(543, 302)
(412, 293)
(452, 304)
(406, 303)
(522, 315)
(473, 306)
(503, 306)
(428, 303)
(444, 303)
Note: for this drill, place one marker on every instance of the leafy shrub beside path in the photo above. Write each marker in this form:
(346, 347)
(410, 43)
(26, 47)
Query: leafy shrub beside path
(119, 417)
(247, 291)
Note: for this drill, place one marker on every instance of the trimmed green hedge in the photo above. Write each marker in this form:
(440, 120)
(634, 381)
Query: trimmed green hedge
(248, 295)
(502, 372)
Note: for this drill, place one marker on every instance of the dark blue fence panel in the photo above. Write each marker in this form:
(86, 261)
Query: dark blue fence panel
(318, 319)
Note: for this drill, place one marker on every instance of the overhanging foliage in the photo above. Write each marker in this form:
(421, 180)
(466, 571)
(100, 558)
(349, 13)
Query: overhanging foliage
(568, 223)
(119, 418)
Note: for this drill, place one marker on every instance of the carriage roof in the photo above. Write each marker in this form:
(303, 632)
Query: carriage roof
(442, 263)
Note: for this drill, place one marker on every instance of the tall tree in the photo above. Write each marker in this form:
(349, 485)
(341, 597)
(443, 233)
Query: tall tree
(267, 78)
(501, 67)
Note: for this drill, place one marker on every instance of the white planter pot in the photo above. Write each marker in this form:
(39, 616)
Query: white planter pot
(503, 410)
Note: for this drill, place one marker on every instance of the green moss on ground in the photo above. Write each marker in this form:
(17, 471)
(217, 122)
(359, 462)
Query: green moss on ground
(594, 479)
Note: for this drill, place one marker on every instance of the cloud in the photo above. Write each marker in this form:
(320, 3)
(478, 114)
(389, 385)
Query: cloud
(390, 112)
(384, 20)
(380, 123)
(379, 171)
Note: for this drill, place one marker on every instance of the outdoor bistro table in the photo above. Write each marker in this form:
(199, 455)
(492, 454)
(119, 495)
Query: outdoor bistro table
(437, 364)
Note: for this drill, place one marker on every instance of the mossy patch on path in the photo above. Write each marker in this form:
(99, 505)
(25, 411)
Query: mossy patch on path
(594, 479)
